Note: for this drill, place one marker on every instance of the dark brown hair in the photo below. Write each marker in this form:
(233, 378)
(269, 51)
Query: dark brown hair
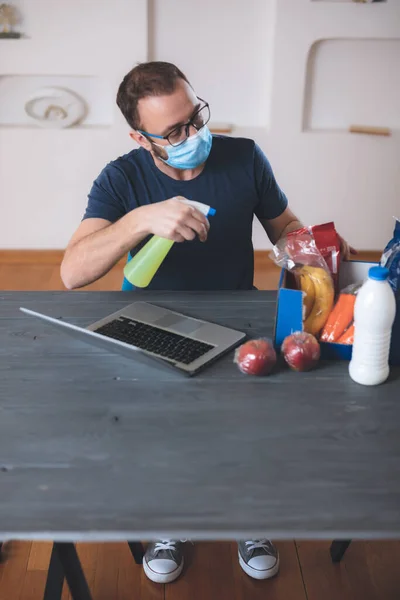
(146, 79)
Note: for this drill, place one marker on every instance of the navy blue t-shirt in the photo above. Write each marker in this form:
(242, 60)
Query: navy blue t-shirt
(237, 181)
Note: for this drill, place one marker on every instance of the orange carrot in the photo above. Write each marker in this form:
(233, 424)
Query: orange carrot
(339, 319)
(347, 337)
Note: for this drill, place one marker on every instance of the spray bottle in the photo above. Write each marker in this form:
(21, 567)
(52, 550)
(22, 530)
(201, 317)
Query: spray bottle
(140, 270)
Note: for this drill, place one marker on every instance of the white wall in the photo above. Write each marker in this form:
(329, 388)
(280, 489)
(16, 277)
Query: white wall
(45, 175)
(225, 48)
(248, 59)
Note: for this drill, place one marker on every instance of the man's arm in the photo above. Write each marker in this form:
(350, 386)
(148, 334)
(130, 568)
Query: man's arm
(280, 226)
(98, 244)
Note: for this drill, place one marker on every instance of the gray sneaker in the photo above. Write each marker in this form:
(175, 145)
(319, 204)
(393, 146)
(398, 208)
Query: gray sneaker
(163, 561)
(258, 558)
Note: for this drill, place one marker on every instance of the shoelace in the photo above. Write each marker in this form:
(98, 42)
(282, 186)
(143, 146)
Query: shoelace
(165, 545)
(254, 544)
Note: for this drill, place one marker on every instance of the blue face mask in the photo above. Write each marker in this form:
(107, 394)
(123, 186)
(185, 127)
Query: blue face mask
(191, 153)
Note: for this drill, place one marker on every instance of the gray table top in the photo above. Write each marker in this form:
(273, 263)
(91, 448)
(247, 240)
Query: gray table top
(94, 446)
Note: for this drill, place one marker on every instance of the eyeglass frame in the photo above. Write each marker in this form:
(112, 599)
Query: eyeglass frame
(186, 125)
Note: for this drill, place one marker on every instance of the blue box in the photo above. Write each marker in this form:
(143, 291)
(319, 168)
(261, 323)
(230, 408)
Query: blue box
(289, 317)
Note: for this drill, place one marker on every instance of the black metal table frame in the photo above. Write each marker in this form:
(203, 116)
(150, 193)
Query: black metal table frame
(65, 564)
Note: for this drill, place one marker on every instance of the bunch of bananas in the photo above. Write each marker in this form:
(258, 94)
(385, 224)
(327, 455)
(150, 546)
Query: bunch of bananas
(319, 295)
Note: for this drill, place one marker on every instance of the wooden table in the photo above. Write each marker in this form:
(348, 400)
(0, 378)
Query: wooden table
(96, 447)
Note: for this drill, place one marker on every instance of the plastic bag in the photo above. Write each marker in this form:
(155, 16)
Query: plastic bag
(298, 249)
(341, 317)
(348, 336)
(391, 259)
(298, 254)
(326, 241)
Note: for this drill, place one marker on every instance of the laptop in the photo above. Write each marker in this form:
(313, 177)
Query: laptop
(152, 334)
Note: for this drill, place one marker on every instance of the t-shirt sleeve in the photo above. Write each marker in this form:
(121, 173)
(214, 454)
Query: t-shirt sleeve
(272, 201)
(108, 197)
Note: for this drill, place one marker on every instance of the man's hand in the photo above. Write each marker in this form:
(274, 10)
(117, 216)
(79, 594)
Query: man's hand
(175, 220)
(278, 228)
(346, 250)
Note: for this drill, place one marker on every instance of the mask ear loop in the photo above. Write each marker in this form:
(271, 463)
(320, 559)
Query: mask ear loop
(164, 160)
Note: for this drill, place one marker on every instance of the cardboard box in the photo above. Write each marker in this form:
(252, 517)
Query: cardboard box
(289, 316)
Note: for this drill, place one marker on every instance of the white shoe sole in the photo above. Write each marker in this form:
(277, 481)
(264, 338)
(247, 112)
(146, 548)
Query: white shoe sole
(162, 577)
(255, 573)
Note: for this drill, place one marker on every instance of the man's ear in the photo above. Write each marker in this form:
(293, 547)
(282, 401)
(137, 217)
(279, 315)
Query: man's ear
(140, 139)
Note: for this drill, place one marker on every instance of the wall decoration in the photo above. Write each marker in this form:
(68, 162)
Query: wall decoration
(55, 107)
(9, 17)
(37, 100)
(353, 85)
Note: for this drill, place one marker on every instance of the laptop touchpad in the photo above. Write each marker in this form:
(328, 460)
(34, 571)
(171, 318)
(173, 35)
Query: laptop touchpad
(178, 324)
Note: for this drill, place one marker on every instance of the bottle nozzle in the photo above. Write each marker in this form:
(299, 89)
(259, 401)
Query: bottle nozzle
(206, 210)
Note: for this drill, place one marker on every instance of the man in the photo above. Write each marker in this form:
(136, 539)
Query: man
(138, 194)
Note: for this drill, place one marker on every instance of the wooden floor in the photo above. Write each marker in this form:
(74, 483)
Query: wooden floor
(40, 270)
(369, 571)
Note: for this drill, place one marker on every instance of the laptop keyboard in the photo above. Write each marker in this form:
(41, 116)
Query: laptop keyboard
(153, 339)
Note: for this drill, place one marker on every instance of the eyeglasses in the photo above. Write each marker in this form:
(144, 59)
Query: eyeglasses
(180, 134)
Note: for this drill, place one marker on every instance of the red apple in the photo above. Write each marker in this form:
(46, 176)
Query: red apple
(301, 351)
(256, 357)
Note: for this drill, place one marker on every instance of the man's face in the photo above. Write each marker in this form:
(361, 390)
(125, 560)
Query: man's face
(162, 114)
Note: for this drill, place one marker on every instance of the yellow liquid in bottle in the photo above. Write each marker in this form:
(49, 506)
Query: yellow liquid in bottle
(140, 270)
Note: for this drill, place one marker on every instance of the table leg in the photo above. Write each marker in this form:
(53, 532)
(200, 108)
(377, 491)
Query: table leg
(55, 577)
(5, 551)
(338, 548)
(137, 551)
(65, 562)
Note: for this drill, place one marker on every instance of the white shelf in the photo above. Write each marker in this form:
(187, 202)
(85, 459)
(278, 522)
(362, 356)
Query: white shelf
(352, 1)
(20, 40)
(394, 133)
